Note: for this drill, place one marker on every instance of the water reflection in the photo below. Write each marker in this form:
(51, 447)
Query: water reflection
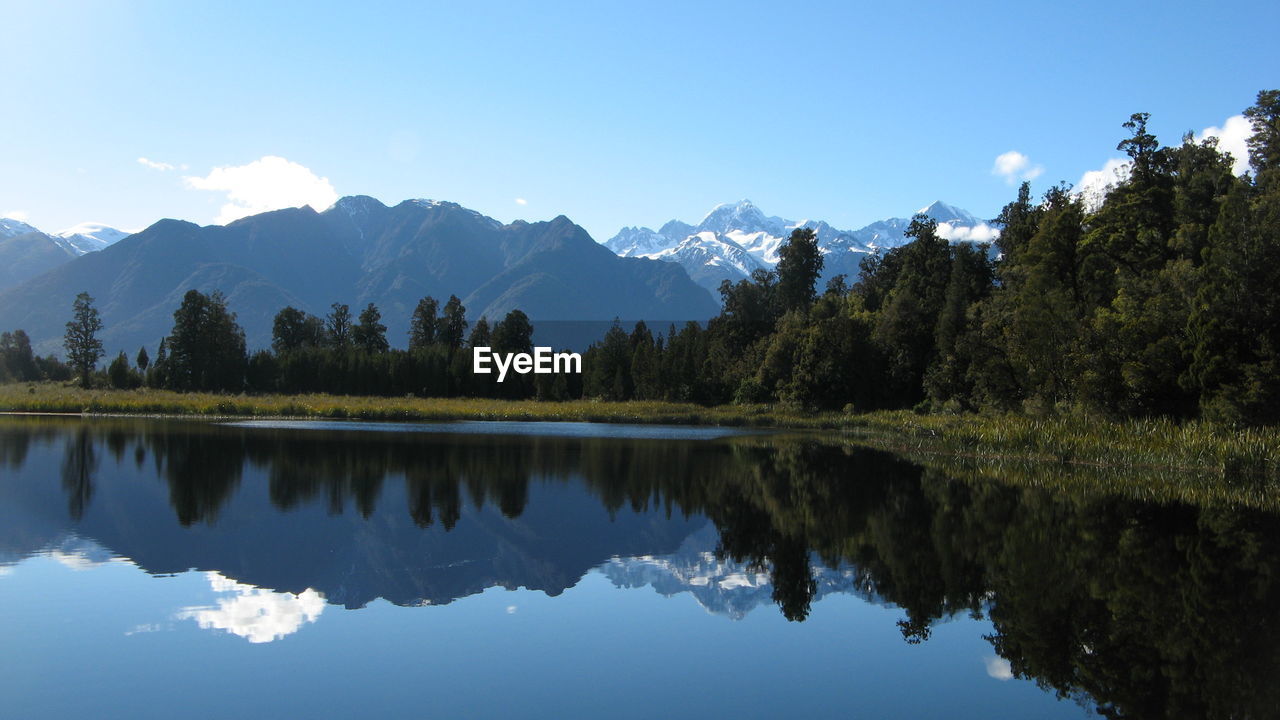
(1137, 610)
(259, 616)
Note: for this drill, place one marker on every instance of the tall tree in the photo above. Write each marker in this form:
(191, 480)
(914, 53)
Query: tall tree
(799, 265)
(453, 325)
(17, 361)
(423, 323)
(293, 330)
(206, 347)
(370, 335)
(1264, 144)
(81, 342)
(514, 334)
(338, 326)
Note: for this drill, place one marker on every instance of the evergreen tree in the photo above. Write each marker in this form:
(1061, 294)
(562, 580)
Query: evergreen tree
(453, 324)
(206, 347)
(118, 374)
(293, 330)
(905, 330)
(144, 360)
(338, 327)
(799, 265)
(17, 361)
(514, 334)
(81, 342)
(481, 335)
(423, 323)
(370, 335)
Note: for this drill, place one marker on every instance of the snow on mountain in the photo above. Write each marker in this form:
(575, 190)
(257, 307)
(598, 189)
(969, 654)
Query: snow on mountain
(720, 585)
(735, 239)
(88, 237)
(710, 258)
(638, 242)
(13, 228)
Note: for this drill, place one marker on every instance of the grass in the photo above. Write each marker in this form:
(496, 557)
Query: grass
(58, 398)
(1146, 446)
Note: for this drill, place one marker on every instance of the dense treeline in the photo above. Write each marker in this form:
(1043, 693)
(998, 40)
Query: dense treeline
(337, 354)
(1159, 301)
(18, 363)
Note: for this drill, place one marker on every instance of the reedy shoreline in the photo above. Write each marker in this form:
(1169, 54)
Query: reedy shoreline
(1148, 446)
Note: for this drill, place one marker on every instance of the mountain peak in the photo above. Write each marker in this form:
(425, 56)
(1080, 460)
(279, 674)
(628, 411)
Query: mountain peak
(358, 203)
(942, 212)
(10, 227)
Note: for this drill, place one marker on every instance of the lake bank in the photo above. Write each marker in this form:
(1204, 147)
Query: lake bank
(1146, 445)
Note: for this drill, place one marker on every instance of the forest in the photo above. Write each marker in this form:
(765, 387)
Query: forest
(1156, 301)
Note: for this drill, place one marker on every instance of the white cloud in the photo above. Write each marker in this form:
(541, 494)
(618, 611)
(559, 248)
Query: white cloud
(259, 616)
(154, 165)
(1014, 166)
(19, 215)
(521, 201)
(981, 232)
(269, 183)
(998, 668)
(511, 609)
(1232, 138)
(6, 570)
(1095, 184)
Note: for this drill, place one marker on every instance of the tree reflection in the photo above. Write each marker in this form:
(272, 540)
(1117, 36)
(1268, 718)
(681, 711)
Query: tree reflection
(78, 466)
(1146, 610)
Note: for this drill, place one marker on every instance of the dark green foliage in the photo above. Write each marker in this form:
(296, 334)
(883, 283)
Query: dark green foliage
(481, 334)
(120, 375)
(799, 265)
(17, 362)
(1159, 299)
(206, 349)
(143, 360)
(453, 324)
(370, 335)
(338, 327)
(423, 323)
(81, 340)
(294, 329)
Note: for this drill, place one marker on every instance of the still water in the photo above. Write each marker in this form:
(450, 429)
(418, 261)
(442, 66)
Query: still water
(159, 569)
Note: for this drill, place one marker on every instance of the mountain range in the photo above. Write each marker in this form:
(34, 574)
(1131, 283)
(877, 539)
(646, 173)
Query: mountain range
(361, 251)
(736, 239)
(358, 251)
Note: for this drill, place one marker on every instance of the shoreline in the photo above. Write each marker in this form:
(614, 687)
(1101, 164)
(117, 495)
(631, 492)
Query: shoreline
(1064, 440)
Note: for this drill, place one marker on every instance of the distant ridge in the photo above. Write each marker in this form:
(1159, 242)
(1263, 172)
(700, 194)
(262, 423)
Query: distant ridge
(359, 251)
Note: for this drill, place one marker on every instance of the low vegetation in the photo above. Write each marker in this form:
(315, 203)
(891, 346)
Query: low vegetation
(988, 440)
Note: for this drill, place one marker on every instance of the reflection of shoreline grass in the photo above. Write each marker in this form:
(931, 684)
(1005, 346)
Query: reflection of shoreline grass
(1144, 445)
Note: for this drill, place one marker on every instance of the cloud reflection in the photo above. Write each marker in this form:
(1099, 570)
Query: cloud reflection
(998, 668)
(258, 615)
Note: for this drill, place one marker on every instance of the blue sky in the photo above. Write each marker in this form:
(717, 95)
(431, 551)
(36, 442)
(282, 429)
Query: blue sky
(610, 113)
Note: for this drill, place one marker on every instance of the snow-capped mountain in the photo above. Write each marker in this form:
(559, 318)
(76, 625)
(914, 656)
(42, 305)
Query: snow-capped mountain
(88, 237)
(720, 585)
(26, 252)
(735, 239)
(13, 228)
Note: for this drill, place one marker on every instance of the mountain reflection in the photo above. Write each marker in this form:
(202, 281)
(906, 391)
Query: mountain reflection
(1138, 610)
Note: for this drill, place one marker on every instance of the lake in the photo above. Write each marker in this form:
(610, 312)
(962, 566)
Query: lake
(181, 568)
